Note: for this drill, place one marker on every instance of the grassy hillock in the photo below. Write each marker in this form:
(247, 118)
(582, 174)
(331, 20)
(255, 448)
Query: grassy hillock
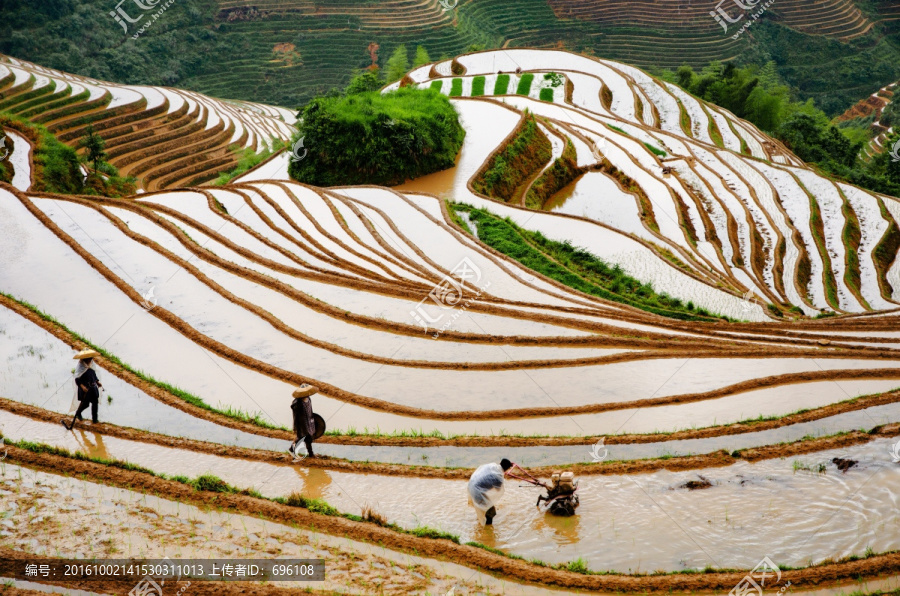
(370, 138)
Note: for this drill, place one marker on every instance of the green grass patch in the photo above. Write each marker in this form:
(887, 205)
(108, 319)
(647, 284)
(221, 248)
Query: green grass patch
(546, 94)
(426, 532)
(851, 237)
(817, 226)
(437, 86)
(501, 86)
(655, 150)
(577, 268)
(456, 88)
(524, 86)
(478, 86)
(562, 172)
(249, 159)
(57, 167)
(886, 251)
(685, 119)
(314, 505)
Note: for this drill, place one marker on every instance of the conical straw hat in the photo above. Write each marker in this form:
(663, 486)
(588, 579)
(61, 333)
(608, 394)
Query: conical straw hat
(305, 390)
(86, 354)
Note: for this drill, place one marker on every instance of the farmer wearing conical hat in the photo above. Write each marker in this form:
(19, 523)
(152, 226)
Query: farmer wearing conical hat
(87, 386)
(304, 423)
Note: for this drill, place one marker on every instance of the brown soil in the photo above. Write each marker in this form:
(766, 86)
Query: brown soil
(378, 404)
(514, 569)
(700, 484)
(844, 464)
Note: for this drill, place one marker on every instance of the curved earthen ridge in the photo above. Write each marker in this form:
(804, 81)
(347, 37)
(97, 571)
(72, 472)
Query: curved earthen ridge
(473, 441)
(336, 392)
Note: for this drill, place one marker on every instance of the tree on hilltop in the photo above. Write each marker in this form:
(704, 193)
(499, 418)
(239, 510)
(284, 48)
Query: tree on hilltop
(397, 64)
(422, 57)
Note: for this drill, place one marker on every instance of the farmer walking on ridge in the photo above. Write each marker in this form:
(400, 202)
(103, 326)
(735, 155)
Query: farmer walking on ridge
(486, 489)
(87, 387)
(304, 420)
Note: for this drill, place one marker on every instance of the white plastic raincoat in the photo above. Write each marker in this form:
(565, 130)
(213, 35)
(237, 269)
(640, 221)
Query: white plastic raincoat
(486, 488)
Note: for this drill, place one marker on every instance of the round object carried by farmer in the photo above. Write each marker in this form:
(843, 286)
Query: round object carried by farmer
(320, 426)
(85, 354)
(305, 390)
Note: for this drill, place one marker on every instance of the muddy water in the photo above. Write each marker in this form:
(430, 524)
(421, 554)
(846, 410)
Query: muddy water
(596, 196)
(647, 523)
(35, 368)
(123, 523)
(486, 126)
(625, 523)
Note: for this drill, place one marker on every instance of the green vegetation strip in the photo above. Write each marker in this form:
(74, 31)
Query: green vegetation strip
(478, 86)
(524, 87)
(249, 159)
(577, 268)
(57, 167)
(655, 150)
(501, 86)
(561, 173)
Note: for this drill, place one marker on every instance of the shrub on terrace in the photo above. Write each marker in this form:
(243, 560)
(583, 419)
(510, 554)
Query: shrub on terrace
(374, 138)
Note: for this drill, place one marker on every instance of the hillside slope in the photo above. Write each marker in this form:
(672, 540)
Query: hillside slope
(703, 189)
(286, 51)
(161, 136)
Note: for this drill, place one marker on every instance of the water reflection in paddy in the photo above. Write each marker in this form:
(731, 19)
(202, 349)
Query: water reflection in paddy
(625, 523)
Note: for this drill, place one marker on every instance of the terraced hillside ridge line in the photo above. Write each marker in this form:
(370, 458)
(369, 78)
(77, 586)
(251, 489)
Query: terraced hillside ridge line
(715, 197)
(443, 327)
(164, 137)
(164, 394)
(607, 468)
(407, 410)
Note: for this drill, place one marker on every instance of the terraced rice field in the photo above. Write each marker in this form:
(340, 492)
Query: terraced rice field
(163, 137)
(699, 444)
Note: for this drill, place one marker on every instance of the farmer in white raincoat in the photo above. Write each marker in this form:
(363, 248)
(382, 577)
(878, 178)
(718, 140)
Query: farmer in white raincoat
(486, 489)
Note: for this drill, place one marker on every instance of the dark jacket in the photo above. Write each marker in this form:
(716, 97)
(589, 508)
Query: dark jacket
(304, 425)
(89, 380)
